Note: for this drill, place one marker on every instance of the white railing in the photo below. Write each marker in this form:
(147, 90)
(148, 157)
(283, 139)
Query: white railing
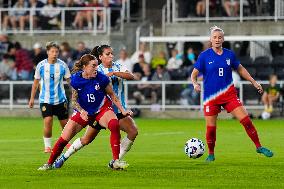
(15, 94)
(62, 28)
(148, 30)
(172, 11)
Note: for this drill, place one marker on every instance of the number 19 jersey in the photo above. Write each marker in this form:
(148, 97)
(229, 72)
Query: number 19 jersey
(217, 72)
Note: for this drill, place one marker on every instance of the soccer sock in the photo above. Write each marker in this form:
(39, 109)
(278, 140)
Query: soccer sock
(57, 149)
(114, 138)
(125, 146)
(251, 131)
(211, 138)
(47, 142)
(76, 145)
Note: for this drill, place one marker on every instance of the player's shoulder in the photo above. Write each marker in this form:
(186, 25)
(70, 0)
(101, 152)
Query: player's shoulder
(41, 63)
(61, 62)
(228, 51)
(206, 52)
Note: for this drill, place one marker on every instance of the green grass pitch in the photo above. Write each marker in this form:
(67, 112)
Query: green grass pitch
(157, 159)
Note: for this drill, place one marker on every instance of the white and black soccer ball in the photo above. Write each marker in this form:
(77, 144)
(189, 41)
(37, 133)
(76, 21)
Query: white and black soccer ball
(265, 115)
(194, 148)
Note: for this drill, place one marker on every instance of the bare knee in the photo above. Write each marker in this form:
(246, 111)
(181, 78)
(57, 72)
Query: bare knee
(86, 141)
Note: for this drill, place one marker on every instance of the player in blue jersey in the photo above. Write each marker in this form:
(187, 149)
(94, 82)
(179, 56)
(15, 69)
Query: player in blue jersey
(216, 65)
(90, 99)
(117, 74)
(49, 74)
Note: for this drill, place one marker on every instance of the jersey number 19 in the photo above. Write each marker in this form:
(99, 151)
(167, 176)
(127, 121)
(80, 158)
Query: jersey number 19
(91, 97)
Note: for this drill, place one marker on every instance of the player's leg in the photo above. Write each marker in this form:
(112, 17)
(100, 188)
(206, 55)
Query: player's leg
(127, 125)
(110, 121)
(241, 114)
(265, 101)
(78, 144)
(211, 136)
(47, 133)
(69, 131)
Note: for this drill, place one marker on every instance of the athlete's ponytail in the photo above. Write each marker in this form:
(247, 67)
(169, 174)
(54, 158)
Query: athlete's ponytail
(98, 50)
(84, 61)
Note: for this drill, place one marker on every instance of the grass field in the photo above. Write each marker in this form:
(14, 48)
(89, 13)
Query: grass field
(156, 160)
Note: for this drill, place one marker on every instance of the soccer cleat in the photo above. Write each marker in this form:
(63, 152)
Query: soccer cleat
(118, 165)
(47, 150)
(59, 162)
(264, 151)
(45, 167)
(210, 158)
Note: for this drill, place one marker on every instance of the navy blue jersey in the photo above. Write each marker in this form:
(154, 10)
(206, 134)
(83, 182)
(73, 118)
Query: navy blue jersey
(217, 72)
(91, 92)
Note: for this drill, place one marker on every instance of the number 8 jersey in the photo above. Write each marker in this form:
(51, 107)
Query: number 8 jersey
(217, 72)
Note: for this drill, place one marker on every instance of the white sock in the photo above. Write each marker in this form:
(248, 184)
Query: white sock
(47, 142)
(125, 146)
(76, 145)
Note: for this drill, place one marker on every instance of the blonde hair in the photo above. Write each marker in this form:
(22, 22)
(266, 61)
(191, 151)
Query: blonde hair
(216, 28)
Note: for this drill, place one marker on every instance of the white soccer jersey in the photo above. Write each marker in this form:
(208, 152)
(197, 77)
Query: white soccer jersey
(51, 81)
(117, 82)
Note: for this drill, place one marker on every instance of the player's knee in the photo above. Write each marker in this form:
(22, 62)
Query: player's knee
(85, 141)
(113, 125)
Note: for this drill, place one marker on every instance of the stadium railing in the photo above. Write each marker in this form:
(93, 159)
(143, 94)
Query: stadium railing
(62, 28)
(15, 94)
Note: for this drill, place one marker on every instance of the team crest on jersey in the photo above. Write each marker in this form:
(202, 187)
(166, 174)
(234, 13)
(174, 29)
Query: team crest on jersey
(43, 108)
(228, 61)
(97, 87)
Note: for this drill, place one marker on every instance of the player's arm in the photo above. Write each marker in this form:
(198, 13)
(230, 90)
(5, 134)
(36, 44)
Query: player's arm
(68, 81)
(124, 75)
(116, 101)
(76, 105)
(193, 78)
(33, 92)
(244, 74)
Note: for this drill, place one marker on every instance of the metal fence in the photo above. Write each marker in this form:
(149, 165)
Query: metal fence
(15, 94)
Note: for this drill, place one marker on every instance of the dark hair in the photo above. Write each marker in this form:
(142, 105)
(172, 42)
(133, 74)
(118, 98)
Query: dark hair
(51, 44)
(84, 60)
(98, 50)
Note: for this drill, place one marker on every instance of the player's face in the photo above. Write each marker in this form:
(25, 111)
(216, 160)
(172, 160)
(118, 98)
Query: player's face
(91, 68)
(216, 39)
(53, 53)
(107, 56)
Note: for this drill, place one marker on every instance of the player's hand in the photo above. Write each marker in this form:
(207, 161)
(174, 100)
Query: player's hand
(84, 115)
(258, 87)
(31, 103)
(127, 113)
(197, 87)
(109, 74)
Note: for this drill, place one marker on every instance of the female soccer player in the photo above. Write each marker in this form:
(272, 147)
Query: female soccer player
(91, 89)
(216, 65)
(117, 74)
(49, 74)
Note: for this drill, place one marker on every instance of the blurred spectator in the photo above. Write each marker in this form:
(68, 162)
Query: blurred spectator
(142, 50)
(66, 54)
(115, 6)
(271, 94)
(161, 74)
(159, 60)
(174, 62)
(4, 45)
(24, 64)
(81, 49)
(17, 15)
(186, 8)
(34, 4)
(138, 67)
(189, 58)
(49, 15)
(231, 7)
(201, 7)
(70, 14)
(38, 54)
(124, 60)
(7, 68)
(87, 15)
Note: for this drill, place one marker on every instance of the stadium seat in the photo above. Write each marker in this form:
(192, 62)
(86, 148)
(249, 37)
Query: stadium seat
(251, 96)
(262, 61)
(252, 71)
(246, 61)
(263, 73)
(278, 61)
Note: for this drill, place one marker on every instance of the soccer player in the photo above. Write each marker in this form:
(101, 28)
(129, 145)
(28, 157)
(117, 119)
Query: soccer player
(49, 75)
(90, 98)
(216, 65)
(117, 74)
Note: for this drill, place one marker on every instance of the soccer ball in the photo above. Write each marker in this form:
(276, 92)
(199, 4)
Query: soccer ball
(265, 115)
(194, 148)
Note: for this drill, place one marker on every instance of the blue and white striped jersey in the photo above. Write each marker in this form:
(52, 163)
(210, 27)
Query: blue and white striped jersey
(117, 82)
(51, 81)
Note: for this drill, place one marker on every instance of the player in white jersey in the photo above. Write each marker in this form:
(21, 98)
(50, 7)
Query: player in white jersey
(49, 76)
(117, 74)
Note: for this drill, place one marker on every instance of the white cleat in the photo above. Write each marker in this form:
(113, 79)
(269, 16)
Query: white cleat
(45, 167)
(118, 165)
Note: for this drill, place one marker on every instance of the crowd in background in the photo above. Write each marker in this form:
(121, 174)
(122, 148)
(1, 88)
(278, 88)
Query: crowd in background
(48, 17)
